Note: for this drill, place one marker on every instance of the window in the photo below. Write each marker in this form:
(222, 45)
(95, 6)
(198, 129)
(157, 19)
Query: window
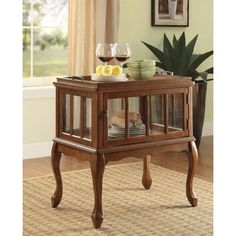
(45, 38)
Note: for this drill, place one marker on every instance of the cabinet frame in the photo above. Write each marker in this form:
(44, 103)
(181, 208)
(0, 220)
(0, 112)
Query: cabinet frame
(99, 150)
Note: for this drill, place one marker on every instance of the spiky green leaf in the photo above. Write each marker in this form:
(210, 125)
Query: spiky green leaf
(201, 58)
(180, 54)
(210, 70)
(181, 44)
(167, 44)
(160, 65)
(189, 52)
(158, 53)
(174, 42)
(171, 58)
(203, 75)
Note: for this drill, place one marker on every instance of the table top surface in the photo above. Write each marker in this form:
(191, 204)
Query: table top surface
(162, 81)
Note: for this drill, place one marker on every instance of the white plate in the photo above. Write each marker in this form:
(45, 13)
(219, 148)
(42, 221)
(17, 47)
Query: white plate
(116, 131)
(142, 127)
(109, 78)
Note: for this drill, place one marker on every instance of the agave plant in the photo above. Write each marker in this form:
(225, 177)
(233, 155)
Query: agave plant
(179, 58)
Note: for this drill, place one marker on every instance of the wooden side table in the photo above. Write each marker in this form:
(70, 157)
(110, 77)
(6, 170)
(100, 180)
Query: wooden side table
(108, 121)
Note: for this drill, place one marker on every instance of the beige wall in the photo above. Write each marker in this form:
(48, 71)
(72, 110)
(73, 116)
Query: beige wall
(135, 25)
(38, 120)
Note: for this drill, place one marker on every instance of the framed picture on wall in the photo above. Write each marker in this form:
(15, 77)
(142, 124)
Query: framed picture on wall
(170, 12)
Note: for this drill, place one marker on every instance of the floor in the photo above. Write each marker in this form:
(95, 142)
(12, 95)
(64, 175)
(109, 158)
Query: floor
(172, 160)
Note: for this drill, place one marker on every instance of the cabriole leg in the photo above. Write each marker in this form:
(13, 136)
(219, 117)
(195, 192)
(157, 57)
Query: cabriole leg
(192, 159)
(97, 165)
(55, 163)
(146, 180)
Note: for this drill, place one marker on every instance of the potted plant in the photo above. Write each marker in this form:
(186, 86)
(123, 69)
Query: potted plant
(179, 58)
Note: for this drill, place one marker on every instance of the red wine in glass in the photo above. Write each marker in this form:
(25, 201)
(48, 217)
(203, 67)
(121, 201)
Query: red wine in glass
(105, 52)
(123, 52)
(122, 58)
(105, 59)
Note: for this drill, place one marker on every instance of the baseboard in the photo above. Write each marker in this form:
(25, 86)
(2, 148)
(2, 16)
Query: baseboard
(207, 129)
(36, 150)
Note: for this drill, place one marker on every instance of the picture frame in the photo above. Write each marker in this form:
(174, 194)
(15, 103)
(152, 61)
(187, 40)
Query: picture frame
(173, 13)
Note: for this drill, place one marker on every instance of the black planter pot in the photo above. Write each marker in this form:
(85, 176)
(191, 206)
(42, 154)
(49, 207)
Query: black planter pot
(199, 103)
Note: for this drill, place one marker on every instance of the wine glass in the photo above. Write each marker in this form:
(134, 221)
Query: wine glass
(105, 52)
(123, 52)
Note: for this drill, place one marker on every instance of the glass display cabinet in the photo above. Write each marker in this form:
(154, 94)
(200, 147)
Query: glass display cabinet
(107, 121)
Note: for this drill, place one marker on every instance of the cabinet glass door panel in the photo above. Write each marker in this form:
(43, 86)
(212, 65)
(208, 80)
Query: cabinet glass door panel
(157, 114)
(175, 112)
(136, 116)
(116, 119)
(126, 117)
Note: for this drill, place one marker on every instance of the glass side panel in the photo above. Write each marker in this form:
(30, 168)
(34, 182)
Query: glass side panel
(66, 113)
(157, 114)
(136, 116)
(175, 112)
(76, 115)
(87, 118)
(116, 122)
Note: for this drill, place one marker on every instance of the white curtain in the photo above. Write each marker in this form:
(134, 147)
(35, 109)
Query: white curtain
(91, 22)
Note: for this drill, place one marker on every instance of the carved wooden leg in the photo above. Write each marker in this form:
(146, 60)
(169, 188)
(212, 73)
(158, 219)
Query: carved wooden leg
(55, 162)
(97, 165)
(193, 159)
(146, 180)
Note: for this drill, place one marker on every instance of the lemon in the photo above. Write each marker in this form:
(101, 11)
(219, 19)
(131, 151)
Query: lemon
(116, 70)
(107, 70)
(99, 70)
